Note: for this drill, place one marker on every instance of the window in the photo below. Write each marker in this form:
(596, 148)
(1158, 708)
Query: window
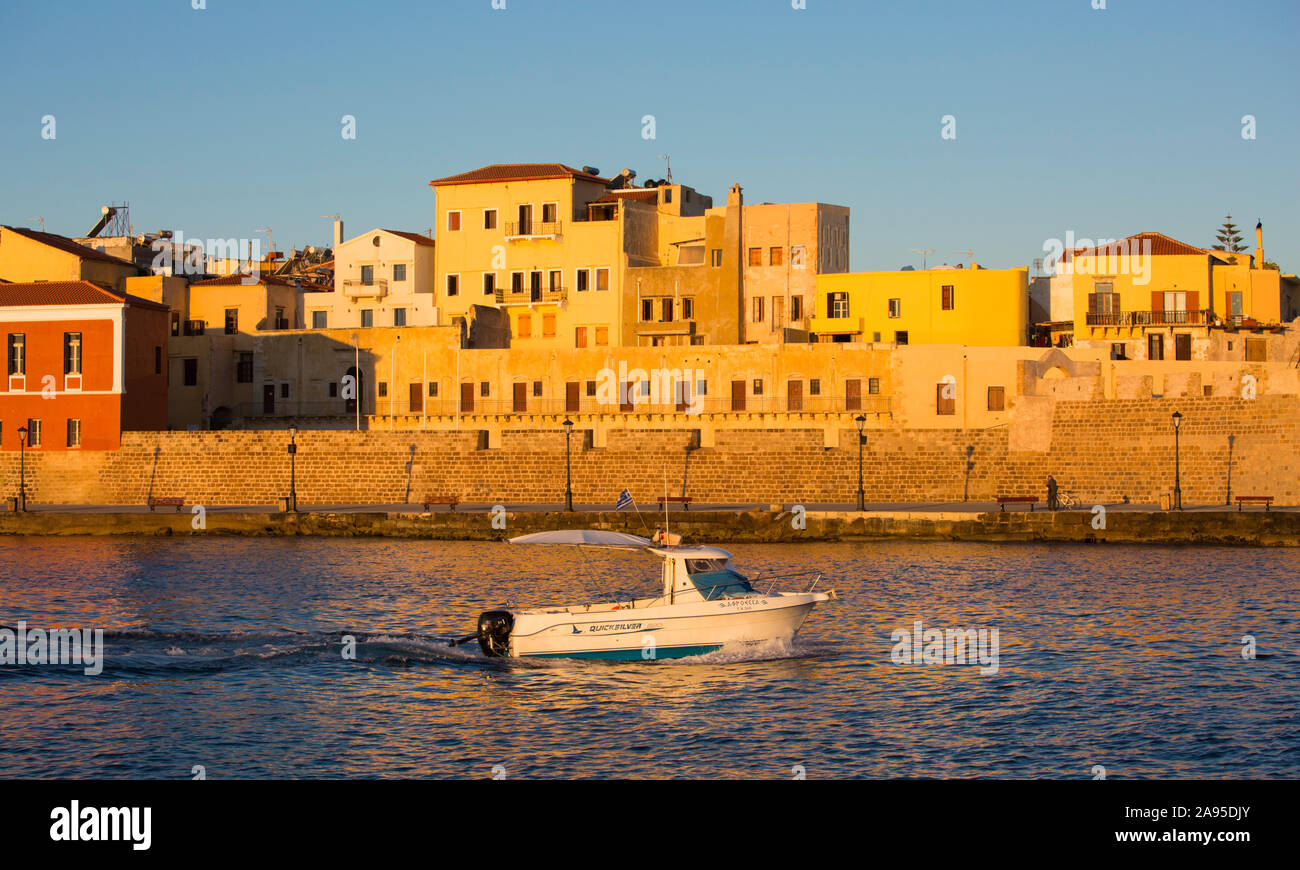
(602, 336)
(433, 389)
(548, 326)
(367, 317)
(688, 308)
(1119, 350)
(232, 321)
(758, 386)
(583, 277)
(549, 212)
(666, 310)
(33, 433)
(555, 280)
(895, 307)
(453, 285)
(837, 304)
(945, 399)
(591, 388)
(489, 283)
(776, 256)
(399, 271)
(717, 257)
(17, 353)
(1155, 346)
(319, 319)
(516, 282)
(997, 398)
(580, 337)
(797, 253)
(367, 275)
(244, 368)
(668, 194)
(1256, 350)
(524, 326)
(484, 389)
(190, 367)
(758, 309)
(284, 391)
(647, 310)
(280, 322)
(537, 388)
(382, 389)
(900, 336)
(489, 219)
(755, 256)
(399, 317)
(157, 360)
(814, 387)
(72, 353)
(74, 433)
(334, 390)
(873, 386)
(176, 323)
(453, 221)
(947, 300)
(796, 309)
(602, 279)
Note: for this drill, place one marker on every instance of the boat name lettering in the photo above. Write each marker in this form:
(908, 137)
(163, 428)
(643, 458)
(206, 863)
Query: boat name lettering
(617, 626)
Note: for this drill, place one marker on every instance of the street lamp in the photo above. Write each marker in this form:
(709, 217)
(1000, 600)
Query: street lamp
(1178, 489)
(568, 466)
(22, 468)
(293, 475)
(862, 440)
(1227, 500)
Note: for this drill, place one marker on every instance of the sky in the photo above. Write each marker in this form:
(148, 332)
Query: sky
(221, 121)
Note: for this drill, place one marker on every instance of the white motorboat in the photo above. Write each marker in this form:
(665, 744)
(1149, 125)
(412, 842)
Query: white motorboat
(703, 605)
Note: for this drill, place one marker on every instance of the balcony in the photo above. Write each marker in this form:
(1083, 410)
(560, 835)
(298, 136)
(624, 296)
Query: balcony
(533, 230)
(355, 288)
(1148, 318)
(533, 296)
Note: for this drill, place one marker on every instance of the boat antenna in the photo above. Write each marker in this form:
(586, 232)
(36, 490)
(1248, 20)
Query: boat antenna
(668, 541)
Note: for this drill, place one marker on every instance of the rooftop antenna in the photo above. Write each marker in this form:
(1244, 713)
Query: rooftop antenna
(970, 254)
(665, 158)
(42, 221)
(270, 244)
(925, 253)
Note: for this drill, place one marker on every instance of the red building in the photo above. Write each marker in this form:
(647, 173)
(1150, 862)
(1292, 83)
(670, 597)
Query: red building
(82, 364)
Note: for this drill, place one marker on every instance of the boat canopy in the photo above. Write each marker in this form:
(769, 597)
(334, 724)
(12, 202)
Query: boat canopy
(588, 537)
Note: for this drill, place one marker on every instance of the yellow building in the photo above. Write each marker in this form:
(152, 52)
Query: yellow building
(976, 306)
(1149, 296)
(28, 255)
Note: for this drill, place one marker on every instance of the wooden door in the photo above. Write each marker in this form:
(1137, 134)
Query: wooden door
(853, 394)
(737, 395)
(417, 398)
(268, 399)
(1183, 346)
(521, 398)
(571, 399)
(794, 395)
(467, 398)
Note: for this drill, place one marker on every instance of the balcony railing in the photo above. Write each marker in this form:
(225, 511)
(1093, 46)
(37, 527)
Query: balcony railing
(1147, 318)
(532, 296)
(355, 287)
(532, 229)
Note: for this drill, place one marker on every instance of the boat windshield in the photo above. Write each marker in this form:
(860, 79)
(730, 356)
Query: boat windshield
(726, 583)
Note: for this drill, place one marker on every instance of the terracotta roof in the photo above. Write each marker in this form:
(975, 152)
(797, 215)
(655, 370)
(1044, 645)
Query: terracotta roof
(238, 278)
(68, 246)
(517, 172)
(1161, 246)
(68, 293)
(636, 194)
(418, 238)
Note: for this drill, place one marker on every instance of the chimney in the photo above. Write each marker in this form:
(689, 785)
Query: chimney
(734, 239)
(1259, 245)
(338, 232)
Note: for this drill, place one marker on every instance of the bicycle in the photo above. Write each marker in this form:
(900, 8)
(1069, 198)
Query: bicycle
(1067, 500)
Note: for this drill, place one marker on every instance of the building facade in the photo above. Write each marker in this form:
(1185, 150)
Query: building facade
(381, 278)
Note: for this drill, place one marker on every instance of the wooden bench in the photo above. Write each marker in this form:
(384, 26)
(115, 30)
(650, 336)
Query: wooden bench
(683, 500)
(1004, 500)
(168, 501)
(1265, 500)
(449, 500)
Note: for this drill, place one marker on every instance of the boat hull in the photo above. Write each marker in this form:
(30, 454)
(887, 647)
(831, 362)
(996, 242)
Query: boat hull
(662, 632)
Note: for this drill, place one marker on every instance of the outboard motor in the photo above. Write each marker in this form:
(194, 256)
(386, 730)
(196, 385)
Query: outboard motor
(494, 627)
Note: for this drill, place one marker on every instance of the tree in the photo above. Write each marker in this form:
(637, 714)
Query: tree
(1229, 238)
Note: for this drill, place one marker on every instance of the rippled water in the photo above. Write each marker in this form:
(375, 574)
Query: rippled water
(225, 653)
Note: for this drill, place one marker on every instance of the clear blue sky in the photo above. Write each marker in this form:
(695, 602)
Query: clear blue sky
(225, 120)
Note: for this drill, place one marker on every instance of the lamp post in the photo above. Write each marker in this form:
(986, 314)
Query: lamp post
(568, 466)
(862, 440)
(22, 468)
(1227, 500)
(293, 475)
(1178, 489)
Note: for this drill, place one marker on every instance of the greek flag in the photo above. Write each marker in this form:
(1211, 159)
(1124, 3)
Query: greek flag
(624, 500)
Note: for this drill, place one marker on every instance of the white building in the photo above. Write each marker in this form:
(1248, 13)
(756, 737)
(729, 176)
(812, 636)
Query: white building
(381, 278)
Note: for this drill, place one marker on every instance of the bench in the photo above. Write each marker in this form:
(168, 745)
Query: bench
(683, 500)
(449, 500)
(1265, 500)
(1004, 500)
(168, 501)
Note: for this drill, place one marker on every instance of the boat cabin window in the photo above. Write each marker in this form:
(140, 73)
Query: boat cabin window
(701, 566)
(716, 585)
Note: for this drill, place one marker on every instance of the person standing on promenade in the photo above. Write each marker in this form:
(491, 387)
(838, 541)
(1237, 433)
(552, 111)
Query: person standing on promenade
(1052, 503)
